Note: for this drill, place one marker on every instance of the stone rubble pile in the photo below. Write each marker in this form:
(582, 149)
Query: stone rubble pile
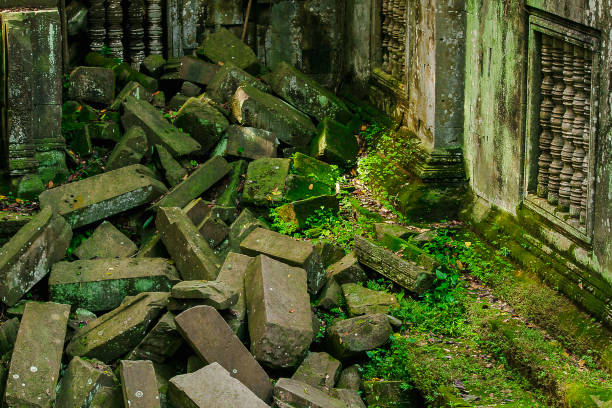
(211, 307)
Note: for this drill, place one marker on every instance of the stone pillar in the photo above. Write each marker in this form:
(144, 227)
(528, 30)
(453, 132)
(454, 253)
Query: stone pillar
(185, 22)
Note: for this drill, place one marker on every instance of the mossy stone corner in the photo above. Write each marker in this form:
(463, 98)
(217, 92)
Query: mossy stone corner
(223, 46)
(334, 143)
(203, 122)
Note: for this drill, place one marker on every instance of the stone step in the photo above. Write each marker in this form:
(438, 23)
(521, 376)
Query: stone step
(37, 356)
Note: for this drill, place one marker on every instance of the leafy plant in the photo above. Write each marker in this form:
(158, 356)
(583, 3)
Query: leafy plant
(390, 363)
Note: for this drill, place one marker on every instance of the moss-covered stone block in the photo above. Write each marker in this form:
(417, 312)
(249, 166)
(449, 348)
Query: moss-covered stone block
(224, 46)
(299, 212)
(335, 144)
(431, 202)
(360, 300)
(265, 181)
(227, 80)
(92, 84)
(81, 382)
(133, 89)
(130, 150)
(153, 65)
(230, 197)
(174, 172)
(106, 242)
(203, 122)
(30, 186)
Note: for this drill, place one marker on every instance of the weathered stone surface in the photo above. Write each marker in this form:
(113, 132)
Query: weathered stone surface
(329, 252)
(115, 333)
(387, 394)
(250, 143)
(139, 384)
(37, 356)
(92, 84)
(223, 46)
(174, 172)
(350, 378)
(335, 144)
(330, 295)
(409, 275)
(219, 344)
(160, 343)
(197, 183)
(130, 150)
(190, 89)
(80, 317)
(280, 324)
(177, 101)
(102, 284)
(292, 393)
(196, 70)
(211, 386)
(265, 181)
(106, 242)
(8, 334)
(306, 94)
(233, 184)
(98, 197)
(212, 293)
(158, 129)
(319, 370)
(153, 65)
(382, 228)
(153, 247)
(214, 230)
(350, 337)
(232, 274)
(28, 256)
(244, 224)
(350, 397)
(225, 82)
(288, 250)
(194, 259)
(202, 121)
(82, 381)
(346, 270)
(254, 108)
(133, 89)
(360, 300)
(198, 210)
(298, 212)
(107, 397)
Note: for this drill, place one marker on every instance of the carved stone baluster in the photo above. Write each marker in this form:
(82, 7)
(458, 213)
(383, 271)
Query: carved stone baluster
(586, 136)
(578, 132)
(565, 190)
(114, 33)
(96, 21)
(556, 145)
(154, 27)
(386, 23)
(136, 44)
(546, 108)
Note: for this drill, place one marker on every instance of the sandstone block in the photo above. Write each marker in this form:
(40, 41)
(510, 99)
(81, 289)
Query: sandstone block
(350, 337)
(160, 343)
(106, 242)
(201, 121)
(223, 46)
(265, 181)
(292, 393)
(130, 149)
(139, 384)
(92, 84)
(82, 381)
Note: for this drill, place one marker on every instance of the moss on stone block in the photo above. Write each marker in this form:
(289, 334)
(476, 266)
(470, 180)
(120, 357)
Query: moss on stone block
(298, 212)
(430, 202)
(223, 46)
(202, 121)
(335, 144)
(225, 82)
(30, 186)
(265, 181)
(231, 195)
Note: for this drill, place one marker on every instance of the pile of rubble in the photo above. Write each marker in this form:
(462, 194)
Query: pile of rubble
(212, 309)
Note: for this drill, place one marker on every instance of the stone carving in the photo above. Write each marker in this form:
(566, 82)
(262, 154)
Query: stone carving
(114, 34)
(136, 46)
(394, 38)
(154, 27)
(563, 163)
(96, 24)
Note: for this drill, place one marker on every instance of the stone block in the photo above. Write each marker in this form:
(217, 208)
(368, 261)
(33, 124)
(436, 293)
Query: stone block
(351, 337)
(232, 274)
(244, 224)
(250, 143)
(350, 378)
(211, 293)
(37, 356)
(360, 300)
(92, 84)
(102, 284)
(214, 230)
(346, 270)
(107, 397)
(227, 80)
(196, 70)
(117, 332)
(153, 65)
(280, 321)
(158, 129)
(288, 250)
(335, 144)
(219, 344)
(139, 384)
(202, 121)
(329, 252)
(81, 142)
(190, 89)
(177, 101)
(8, 334)
(153, 247)
(193, 257)
(306, 94)
(133, 89)
(302, 187)
(130, 149)
(82, 381)
(319, 370)
(174, 172)
(254, 108)
(293, 393)
(233, 184)
(223, 46)
(297, 213)
(399, 231)
(198, 210)
(351, 398)
(211, 386)
(104, 131)
(106, 242)
(98, 197)
(331, 295)
(28, 256)
(203, 178)
(265, 181)
(161, 343)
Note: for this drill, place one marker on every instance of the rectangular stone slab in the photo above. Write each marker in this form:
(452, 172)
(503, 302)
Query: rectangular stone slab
(211, 386)
(197, 183)
(102, 284)
(288, 250)
(408, 275)
(115, 333)
(280, 320)
(299, 394)
(28, 256)
(139, 384)
(232, 273)
(194, 259)
(95, 198)
(219, 344)
(37, 356)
